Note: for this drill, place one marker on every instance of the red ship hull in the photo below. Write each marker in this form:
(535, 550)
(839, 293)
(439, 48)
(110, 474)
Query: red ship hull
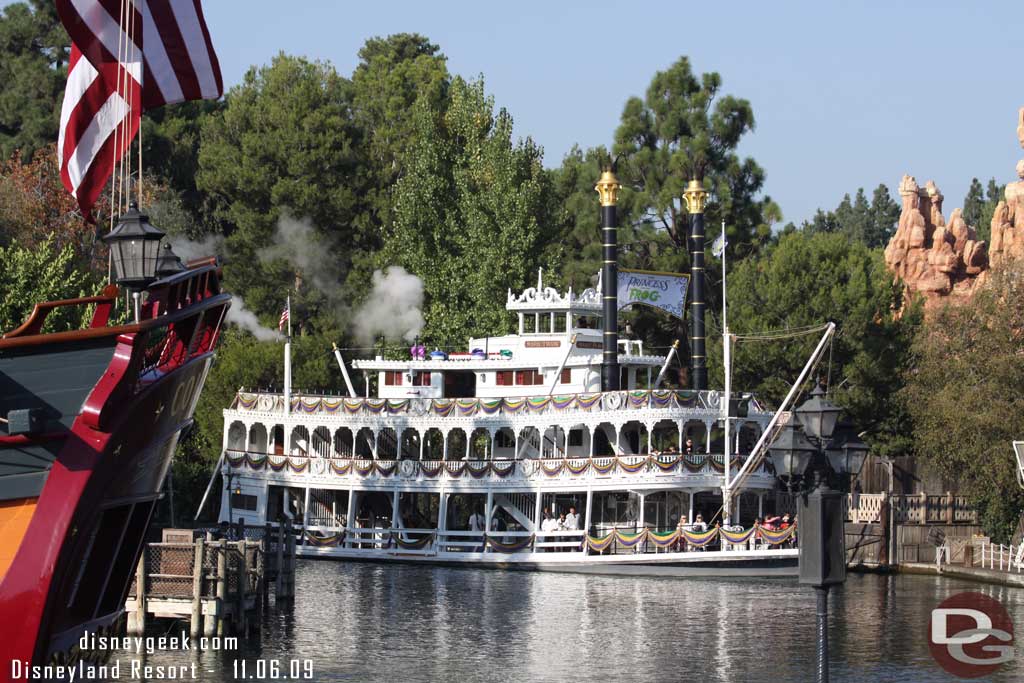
(70, 571)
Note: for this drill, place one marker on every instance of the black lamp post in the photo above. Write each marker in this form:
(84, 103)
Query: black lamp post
(808, 457)
(134, 251)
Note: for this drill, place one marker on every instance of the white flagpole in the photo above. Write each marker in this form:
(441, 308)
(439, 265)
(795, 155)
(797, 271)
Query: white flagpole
(288, 361)
(726, 364)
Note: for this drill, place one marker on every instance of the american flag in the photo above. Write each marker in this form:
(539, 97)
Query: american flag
(165, 55)
(285, 316)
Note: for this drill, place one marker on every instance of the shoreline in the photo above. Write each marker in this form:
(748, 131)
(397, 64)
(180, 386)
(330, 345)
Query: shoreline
(976, 574)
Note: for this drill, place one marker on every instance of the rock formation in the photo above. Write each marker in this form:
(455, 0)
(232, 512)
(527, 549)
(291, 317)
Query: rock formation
(931, 257)
(947, 262)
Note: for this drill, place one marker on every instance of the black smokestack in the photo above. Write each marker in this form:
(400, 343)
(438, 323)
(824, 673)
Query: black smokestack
(608, 188)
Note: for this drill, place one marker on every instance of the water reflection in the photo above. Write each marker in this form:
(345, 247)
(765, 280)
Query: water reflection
(367, 622)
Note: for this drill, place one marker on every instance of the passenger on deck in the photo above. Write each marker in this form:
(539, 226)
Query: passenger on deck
(548, 525)
(477, 519)
(682, 526)
(689, 447)
(572, 520)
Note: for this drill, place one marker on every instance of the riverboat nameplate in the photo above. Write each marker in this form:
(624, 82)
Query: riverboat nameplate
(543, 344)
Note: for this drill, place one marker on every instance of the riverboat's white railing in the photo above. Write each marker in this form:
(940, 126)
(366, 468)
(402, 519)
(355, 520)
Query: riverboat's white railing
(431, 542)
(544, 469)
(640, 399)
(1001, 557)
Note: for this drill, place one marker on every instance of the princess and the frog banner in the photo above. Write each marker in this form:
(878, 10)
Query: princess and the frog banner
(666, 291)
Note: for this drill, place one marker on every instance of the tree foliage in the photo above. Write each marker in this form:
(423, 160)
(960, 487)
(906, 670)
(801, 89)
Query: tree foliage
(34, 50)
(471, 214)
(979, 208)
(43, 272)
(965, 392)
(806, 280)
(872, 224)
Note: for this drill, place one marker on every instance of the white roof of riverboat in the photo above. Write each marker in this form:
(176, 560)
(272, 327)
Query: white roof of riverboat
(495, 361)
(541, 298)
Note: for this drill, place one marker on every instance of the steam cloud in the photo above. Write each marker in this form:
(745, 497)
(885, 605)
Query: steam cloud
(296, 242)
(239, 315)
(392, 308)
(187, 250)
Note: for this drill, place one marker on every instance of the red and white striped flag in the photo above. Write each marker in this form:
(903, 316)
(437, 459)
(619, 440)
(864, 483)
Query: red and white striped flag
(166, 47)
(285, 315)
(94, 109)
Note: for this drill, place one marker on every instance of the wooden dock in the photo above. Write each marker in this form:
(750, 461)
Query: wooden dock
(217, 585)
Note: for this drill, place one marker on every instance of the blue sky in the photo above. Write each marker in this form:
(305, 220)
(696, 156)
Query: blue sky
(845, 94)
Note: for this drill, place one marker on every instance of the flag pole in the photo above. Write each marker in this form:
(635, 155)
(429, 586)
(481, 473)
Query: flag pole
(727, 398)
(288, 360)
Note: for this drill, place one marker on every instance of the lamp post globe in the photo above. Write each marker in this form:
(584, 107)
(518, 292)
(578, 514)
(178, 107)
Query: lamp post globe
(134, 249)
(168, 264)
(791, 453)
(817, 415)
(846, 452)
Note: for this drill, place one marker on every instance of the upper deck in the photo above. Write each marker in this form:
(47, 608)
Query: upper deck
(557, 349)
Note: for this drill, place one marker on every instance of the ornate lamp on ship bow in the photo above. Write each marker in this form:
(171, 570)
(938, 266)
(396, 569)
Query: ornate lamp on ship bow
(807, 456)
(134, 252)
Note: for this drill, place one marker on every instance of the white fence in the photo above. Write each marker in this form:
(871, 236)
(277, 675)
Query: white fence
(921, 508)
(1001, 557)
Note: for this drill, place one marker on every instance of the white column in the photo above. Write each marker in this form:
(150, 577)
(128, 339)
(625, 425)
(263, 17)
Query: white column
(490, 456)
(394, 509)
(423, 438)
(760, 505)
(305, 511)
(587, 513)
(640, 517)
(682, 431)
(489, 509)
(444, 445)
(689, 517)
(707, 431)
(376, 444)
(350, 523)
(591, 431)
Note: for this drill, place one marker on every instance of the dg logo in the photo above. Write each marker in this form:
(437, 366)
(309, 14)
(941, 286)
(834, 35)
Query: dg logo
(970, 635)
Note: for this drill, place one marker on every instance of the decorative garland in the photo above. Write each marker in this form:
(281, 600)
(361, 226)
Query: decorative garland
(775, 537)
(418, 544)
(737, 537)
(503, 469)
(327, 541)
(478, 470)
(431, 471)
(514, 547)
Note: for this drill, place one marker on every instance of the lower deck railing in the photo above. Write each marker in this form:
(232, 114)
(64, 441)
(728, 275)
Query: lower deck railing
(608, 541)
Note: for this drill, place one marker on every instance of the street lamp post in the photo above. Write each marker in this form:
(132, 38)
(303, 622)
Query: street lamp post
(809, 456)
(134, 252)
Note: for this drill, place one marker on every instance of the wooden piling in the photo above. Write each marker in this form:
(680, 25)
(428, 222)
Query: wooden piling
(195, 622)
(222, 584)
(240, 585)
(140, 595)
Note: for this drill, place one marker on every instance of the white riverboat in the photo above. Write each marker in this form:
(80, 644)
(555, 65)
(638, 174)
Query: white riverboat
(459, 458)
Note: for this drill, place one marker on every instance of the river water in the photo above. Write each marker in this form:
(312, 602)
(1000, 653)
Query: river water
(375, 622)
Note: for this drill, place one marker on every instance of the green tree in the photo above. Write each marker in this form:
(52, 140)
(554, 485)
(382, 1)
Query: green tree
(965, 392)
(38, 274)
(884, 215)
(685, 128)
(870, 224)
(34, 51)
(470, 214)
(979, 207)
(286, 144)
(808, 279)
(393, 73)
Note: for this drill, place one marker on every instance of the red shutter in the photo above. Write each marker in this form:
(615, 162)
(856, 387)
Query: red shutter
(566, 376)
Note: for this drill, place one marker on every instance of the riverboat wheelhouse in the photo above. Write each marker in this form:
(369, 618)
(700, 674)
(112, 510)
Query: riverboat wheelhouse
(515, 427)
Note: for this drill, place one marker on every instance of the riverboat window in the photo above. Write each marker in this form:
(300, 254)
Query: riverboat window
(503, 378)
(566, 377)
(393, 378)
(421, 379)
(243, 501)
(544, 322)
(558, 322)
(504, 438)
(529, 377)
(575, 437)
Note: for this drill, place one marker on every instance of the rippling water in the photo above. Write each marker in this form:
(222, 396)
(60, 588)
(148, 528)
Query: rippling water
(375, 622)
